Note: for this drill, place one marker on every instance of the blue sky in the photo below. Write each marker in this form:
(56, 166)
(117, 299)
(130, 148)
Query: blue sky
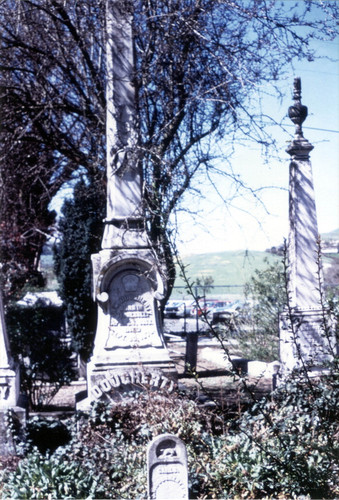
(248, 224)
(256, 225)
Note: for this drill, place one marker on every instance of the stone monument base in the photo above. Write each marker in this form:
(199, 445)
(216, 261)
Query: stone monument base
(305, 342)
(113, 385)
(130, 352)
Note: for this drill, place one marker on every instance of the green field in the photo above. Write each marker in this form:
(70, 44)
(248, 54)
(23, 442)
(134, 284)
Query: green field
(229, 270)
(333, 235)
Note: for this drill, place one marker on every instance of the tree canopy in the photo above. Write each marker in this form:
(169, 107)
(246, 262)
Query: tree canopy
(199, 66)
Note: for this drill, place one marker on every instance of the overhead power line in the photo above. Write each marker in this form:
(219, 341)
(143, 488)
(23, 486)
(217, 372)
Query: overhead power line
(312, 128)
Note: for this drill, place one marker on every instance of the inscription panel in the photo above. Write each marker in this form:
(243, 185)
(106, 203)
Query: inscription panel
(311, 340)
(132, 313)
(167, 482)
(305, 340)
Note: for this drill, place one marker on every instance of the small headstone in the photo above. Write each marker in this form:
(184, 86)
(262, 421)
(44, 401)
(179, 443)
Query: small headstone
(167, 468)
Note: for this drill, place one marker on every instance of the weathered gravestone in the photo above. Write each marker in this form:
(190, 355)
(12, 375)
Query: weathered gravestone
(9, 391)
(306, 340)
(128, 279)
(167, 468)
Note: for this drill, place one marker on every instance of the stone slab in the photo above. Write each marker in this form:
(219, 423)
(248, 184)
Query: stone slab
(167, 468)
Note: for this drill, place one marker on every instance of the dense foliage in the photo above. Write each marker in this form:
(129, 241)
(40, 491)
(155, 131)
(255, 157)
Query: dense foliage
(52, 109)
(37, 339)
(284, 446)
(80, 228)
(258, 332)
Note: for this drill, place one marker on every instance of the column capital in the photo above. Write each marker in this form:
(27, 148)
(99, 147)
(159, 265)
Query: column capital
(299, 149)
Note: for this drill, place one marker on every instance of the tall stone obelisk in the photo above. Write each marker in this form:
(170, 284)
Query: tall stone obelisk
(128, 280)
(306, 337)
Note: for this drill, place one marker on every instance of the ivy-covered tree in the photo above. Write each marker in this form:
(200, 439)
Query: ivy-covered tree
(202, 66)
(52, 115)
(80, 230)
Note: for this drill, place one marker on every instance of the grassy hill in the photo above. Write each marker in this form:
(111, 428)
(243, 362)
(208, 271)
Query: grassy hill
(333, 235)
(228, 269)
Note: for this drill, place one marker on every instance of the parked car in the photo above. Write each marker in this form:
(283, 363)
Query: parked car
(235, 309)
(217, 311)
(207, 307)
(177, 309)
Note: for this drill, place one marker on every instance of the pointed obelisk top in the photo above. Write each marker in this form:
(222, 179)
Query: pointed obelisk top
(125, 221)
(303, 234)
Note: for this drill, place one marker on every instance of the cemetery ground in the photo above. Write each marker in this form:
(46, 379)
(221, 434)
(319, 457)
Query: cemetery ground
(211, 382)
(284, 446)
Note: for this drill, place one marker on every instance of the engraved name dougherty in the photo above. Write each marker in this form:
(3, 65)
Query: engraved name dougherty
(167, 468)
(115, 383)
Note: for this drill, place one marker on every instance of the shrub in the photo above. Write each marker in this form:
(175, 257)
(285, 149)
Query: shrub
(259, 339)
(288, 446)
(35, 335)
(47, 434)
(50, 477)
(283, 447)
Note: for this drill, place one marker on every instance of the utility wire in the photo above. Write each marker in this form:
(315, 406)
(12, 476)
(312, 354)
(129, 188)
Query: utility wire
(311, 128)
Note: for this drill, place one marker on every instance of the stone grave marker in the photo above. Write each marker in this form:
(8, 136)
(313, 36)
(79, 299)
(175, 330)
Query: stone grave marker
(128, 279)
(305, 342)
(167, 468)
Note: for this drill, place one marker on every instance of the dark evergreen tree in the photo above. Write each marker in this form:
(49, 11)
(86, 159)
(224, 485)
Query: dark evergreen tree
(81, 229)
